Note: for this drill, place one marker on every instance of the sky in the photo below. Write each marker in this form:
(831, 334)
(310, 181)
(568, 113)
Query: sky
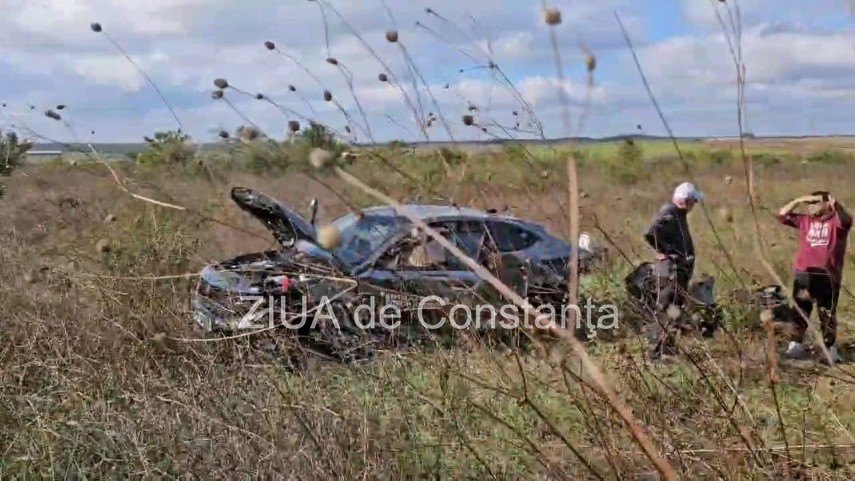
(799, 60)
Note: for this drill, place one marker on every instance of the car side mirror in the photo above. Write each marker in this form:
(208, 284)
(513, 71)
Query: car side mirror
(313, 205)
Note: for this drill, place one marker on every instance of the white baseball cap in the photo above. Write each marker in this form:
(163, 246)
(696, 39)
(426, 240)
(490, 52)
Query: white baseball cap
(687, 190)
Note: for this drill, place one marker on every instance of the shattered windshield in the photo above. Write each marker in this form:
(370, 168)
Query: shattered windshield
(361, 237)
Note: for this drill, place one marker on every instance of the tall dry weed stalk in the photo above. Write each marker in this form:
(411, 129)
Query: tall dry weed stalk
(605, 407)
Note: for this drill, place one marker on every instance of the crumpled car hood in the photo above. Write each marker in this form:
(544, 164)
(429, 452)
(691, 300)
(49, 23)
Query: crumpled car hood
(247, 274)
(285, 225)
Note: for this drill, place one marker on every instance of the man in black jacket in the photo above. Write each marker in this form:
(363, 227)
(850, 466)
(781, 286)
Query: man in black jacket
(669, 236)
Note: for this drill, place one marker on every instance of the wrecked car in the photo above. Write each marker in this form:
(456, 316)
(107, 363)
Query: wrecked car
(703, 310)
(382, 258)
(704, 314)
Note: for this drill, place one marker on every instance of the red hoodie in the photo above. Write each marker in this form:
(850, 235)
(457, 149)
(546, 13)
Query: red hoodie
(822, 242)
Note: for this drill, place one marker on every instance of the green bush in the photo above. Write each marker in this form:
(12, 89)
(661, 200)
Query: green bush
(765, 159)
(514, 150)
(13, 153)
(170, 147)
(721, 158)
(833, 157)
(264, 156)
(630, 152)
(318, 136)
(628, 166)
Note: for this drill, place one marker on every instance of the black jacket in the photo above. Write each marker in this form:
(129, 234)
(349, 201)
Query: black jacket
(669, 233)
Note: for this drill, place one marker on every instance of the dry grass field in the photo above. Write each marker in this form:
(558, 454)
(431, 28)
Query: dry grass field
(103, 374)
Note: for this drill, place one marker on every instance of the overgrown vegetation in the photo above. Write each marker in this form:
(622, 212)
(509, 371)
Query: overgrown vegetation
(107, 337)
(170, 147)
(102, 373)
(13, 152)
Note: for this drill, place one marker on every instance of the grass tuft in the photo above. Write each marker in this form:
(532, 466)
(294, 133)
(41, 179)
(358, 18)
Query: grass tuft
(104, 375)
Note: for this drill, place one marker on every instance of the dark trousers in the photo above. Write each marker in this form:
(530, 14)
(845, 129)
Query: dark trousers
(672, 284)
(816, 287)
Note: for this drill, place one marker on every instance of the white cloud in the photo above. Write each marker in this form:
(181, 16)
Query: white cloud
(702, 13)
(690, 65)
(49, 55)
(109, 70)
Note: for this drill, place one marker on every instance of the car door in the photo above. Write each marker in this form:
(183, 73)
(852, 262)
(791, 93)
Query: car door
(407, 284)
(510, 243)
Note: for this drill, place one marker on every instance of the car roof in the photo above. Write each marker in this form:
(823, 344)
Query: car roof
(425, 212)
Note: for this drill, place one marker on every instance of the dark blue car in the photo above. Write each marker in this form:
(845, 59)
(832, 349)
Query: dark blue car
(382, 260)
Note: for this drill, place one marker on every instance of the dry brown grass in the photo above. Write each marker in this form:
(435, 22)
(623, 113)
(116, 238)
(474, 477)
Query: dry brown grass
(94, 385)
(103, 374)
(792, 145)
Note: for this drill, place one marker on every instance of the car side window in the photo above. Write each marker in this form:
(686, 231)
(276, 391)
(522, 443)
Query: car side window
(510, 237)
(470, 237)
(466, 236)
(424, 253)
(416, 251)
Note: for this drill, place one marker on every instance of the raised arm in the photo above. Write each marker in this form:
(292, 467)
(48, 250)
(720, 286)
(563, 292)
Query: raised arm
(842, 213)
(786, 215)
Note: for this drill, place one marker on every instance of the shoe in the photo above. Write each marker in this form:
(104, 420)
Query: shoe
(795, 350)
(832, 352)
(662, 356)
(663, 350)
(663, 360)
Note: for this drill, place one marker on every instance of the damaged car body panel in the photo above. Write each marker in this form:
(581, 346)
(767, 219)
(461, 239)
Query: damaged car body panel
(286, 226)
(382, 255)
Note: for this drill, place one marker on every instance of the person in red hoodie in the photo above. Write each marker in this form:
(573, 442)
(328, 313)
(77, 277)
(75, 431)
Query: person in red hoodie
(823, 232)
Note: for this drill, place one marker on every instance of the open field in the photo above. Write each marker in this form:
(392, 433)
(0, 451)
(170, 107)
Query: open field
(101, 375)
(790, 143)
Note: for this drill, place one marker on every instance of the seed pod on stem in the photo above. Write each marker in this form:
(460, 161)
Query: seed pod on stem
(552, 16)
(269, 45)
(319, 158)
(221, 83)
(392, 36)
(95, 26)
(293, 125)
(329, 237)
(590, 63)
(327, 95)
(332, 61)
(217, 94)
(248, 134)
(468, 120)
(383, 78)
